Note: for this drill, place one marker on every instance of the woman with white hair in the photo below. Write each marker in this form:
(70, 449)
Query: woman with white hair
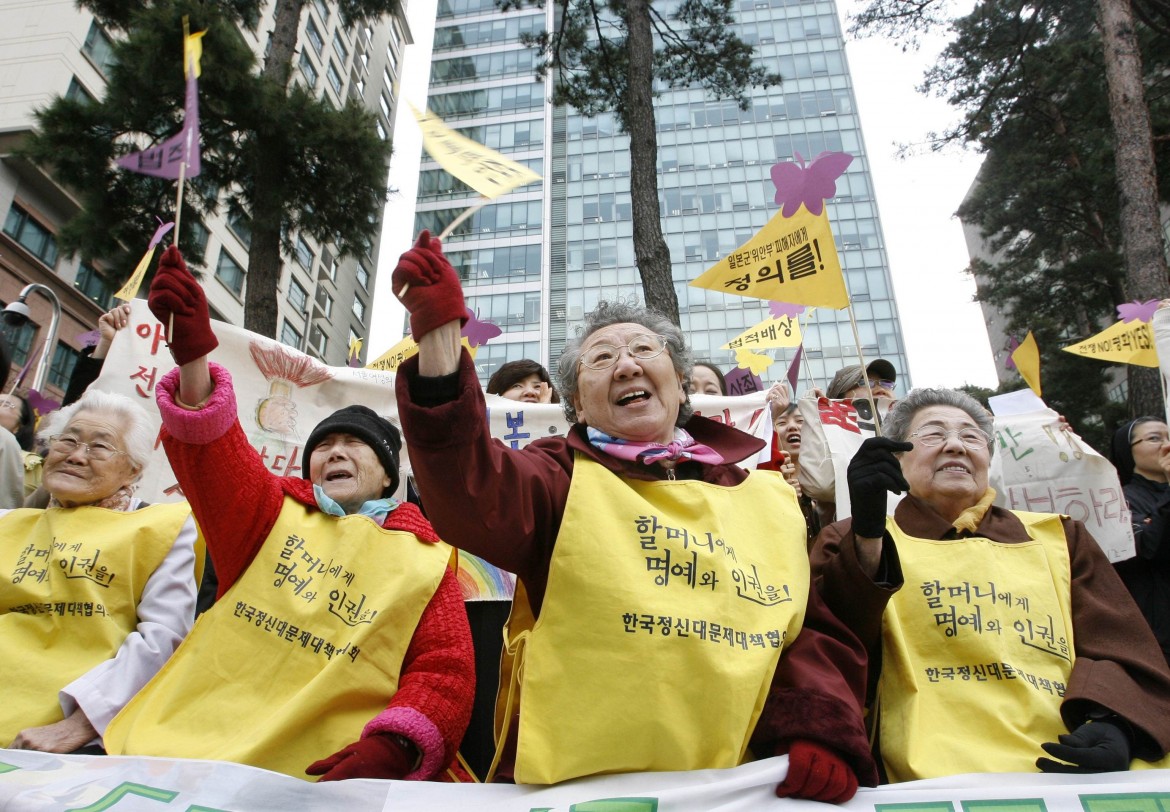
(98, 589)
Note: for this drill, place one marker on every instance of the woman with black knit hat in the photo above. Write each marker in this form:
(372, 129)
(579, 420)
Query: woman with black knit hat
(339, 644)
(1141, 453)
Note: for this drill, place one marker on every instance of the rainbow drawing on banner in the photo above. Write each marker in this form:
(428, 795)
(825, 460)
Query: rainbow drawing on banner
(480, 581)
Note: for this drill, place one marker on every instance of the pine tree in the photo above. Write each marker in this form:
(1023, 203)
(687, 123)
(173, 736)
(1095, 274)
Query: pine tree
(603, 58)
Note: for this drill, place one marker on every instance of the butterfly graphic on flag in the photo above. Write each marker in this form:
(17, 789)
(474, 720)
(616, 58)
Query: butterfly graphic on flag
(810, 185)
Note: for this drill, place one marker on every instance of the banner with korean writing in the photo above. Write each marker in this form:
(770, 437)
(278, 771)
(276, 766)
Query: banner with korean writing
(35, 781)
(791, 259)
(783, 331)
(833, 431)
(1041, 465)
(1123, 342)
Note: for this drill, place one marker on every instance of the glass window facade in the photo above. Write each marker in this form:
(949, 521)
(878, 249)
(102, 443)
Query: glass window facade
(34, 237)
(230, 272)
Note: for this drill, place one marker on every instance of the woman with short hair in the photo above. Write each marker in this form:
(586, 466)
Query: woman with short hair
(98, 589)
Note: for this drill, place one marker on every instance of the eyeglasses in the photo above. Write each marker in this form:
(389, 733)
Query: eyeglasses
(14, 405)
(973, 439)
(882, 384)
(643, 346)
(1153, 439)
(67, 444)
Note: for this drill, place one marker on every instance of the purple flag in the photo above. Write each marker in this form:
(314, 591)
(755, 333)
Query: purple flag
(163, 161)
(794, 370)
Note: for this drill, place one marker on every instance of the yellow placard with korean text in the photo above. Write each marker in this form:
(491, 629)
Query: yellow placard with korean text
(791, 259)
(769, 333)
(482, 168)
(129, 291)
(390, 360)
(1120, 343)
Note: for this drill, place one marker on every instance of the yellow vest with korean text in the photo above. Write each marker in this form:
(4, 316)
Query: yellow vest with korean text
(667, 606)
(298, 655)
(70, 582)
(977, 649)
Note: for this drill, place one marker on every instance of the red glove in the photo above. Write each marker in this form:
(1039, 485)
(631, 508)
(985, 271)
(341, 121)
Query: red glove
(174, 292)
(377, 756)
(433, 293)
(818, 774)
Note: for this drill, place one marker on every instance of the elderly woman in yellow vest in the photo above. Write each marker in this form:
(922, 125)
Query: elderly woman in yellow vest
(1013, 645)
(339, 644)
(670, 588)
(97, 590)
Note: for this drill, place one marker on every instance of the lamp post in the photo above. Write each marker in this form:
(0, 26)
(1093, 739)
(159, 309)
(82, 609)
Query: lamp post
(17, 314)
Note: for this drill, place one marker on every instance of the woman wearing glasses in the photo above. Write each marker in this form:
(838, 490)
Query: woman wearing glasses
(1013, 638)
(1141, 454)
(97, 590)
(662, 578)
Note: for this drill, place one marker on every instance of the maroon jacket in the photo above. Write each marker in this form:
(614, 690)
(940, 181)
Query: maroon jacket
(1118, 664)
(506, 506)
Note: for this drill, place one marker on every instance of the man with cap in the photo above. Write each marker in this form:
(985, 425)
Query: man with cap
(849, 382)
(338, 645)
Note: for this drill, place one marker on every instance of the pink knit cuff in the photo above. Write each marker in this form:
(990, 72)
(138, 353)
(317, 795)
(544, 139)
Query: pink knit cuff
(419, 729)
(204, 425)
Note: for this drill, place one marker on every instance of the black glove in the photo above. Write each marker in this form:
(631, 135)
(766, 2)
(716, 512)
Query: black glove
(1094, 747)
(874, 471)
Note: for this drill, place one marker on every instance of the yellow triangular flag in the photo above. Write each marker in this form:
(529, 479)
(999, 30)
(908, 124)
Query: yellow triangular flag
(482, 168)
(355, 348)
(791, 259)
(192, 51)
(1026, 357)
(130, 290)
(1121, 343)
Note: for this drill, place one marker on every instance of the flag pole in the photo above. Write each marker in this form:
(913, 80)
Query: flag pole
(877, 423)
(451, 227)
(812, 384)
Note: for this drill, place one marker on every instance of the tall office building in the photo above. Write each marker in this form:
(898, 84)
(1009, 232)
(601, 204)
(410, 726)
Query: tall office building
(539, 258)
(52, 48)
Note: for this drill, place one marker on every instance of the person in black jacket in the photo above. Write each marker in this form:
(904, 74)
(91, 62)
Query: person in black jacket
(1141, 453)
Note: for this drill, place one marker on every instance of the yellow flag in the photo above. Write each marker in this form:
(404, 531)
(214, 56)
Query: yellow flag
(771, 332)
(791, 259)
(1027, 360)
(130, 289)
(390, 360)
(355, 348)
(1120, 343)
(192, 51)
(482, 168)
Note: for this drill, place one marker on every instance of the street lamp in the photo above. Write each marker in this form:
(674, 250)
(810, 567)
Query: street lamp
(17, 315)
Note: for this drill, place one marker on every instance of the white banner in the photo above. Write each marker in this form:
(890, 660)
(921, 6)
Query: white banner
(1041, 465)
(40, 782)
(282, 394)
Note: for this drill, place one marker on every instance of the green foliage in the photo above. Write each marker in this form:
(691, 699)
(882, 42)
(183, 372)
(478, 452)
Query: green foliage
(333, 183)
(588, 59)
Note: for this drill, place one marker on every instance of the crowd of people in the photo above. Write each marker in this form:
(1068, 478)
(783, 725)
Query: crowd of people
(946, 636)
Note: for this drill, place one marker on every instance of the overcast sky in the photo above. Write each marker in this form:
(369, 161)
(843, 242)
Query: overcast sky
(946, 340)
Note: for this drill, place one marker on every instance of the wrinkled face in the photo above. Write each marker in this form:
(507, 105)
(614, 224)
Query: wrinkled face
(881, 389)
(1148, 441)
(787, 427)
(635, 399)
(77, 478)
(530, 389)
(704, 382)
(950, 477)
(348, 470)
(10, 408)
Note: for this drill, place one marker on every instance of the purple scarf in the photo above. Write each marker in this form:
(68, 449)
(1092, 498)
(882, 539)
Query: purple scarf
(682, 447)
